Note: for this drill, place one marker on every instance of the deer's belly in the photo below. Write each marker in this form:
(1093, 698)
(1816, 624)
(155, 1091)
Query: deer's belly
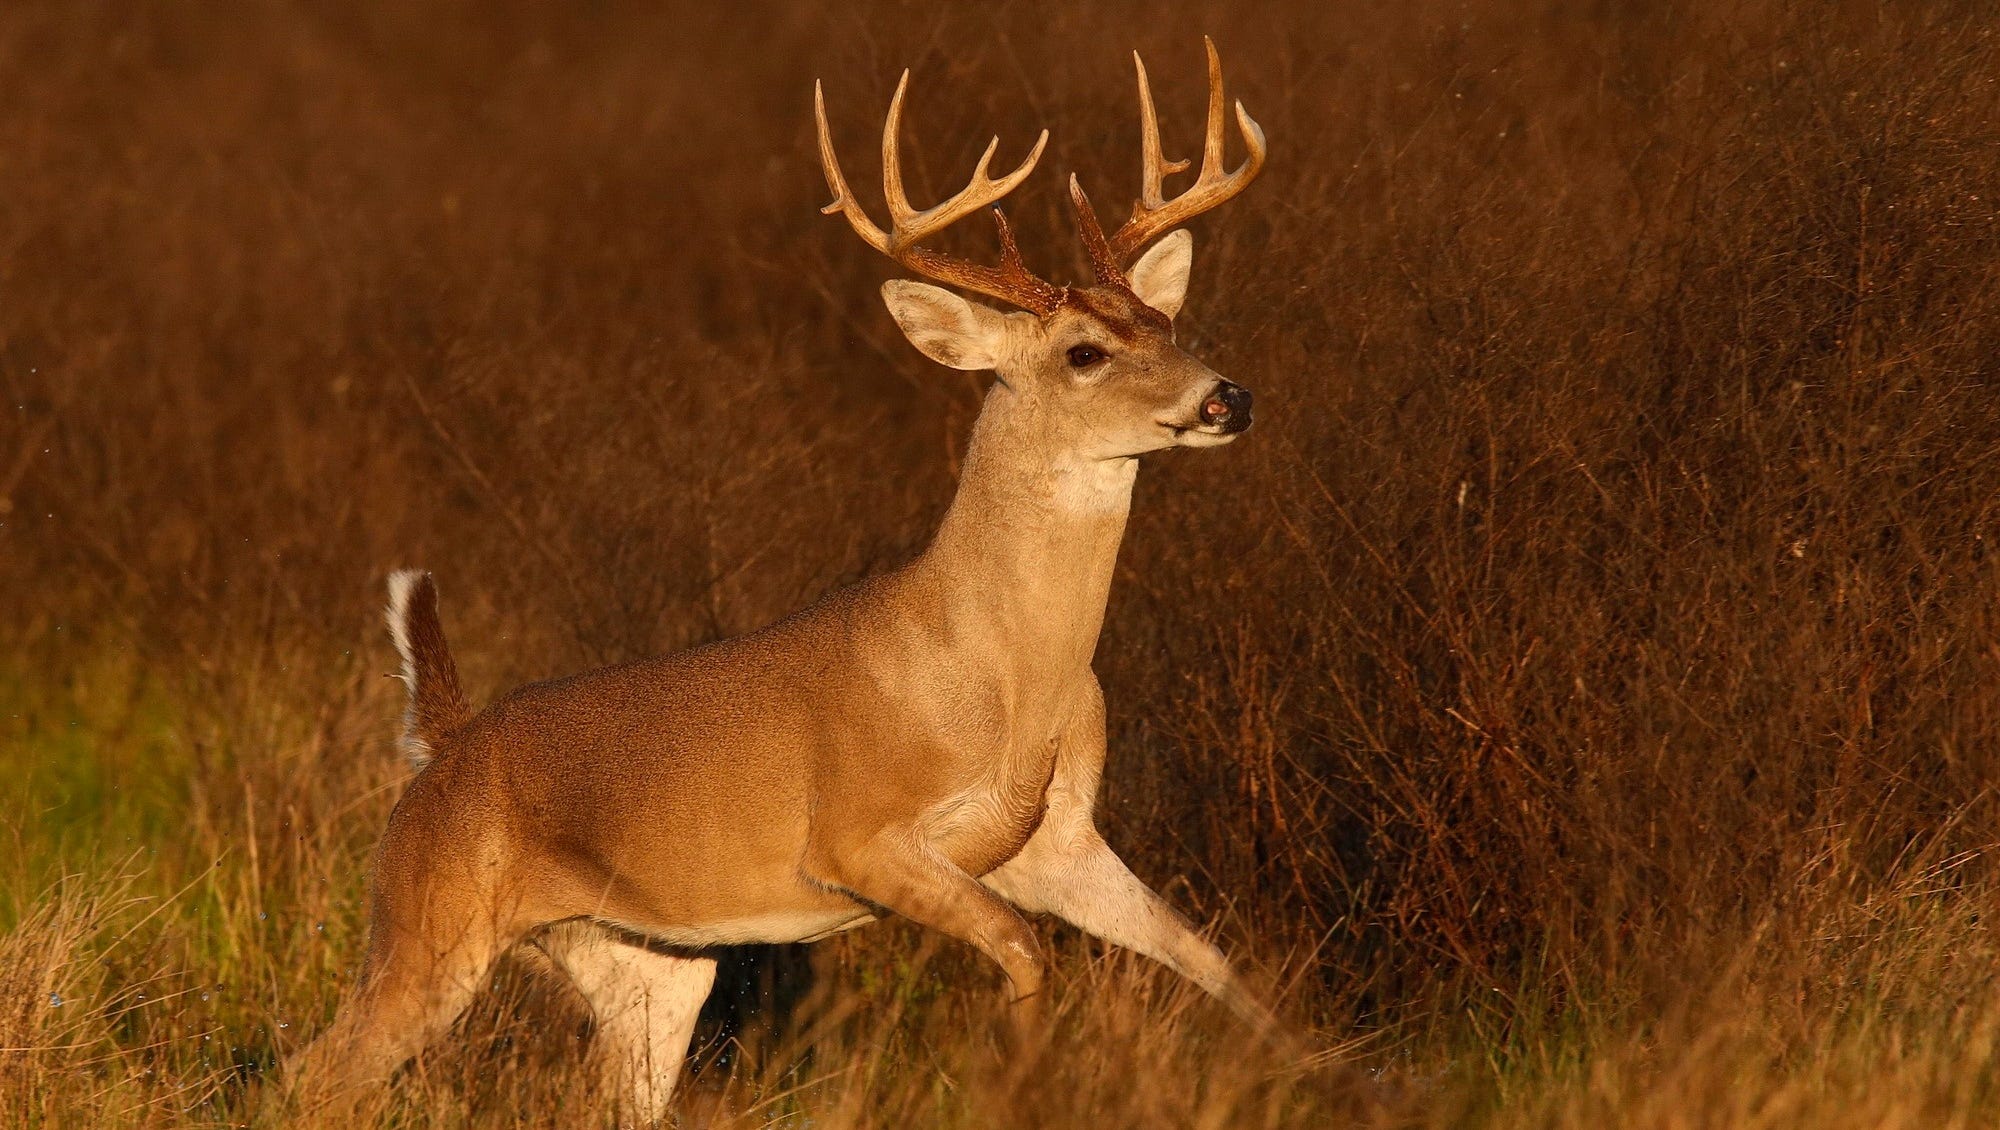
(770, 928)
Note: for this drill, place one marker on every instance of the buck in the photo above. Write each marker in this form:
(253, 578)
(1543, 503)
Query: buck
(926, 743)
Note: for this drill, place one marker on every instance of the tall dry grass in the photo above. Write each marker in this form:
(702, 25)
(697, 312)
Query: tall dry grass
(1577, 698)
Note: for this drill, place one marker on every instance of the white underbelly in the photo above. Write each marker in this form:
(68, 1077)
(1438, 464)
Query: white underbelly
(784, 926)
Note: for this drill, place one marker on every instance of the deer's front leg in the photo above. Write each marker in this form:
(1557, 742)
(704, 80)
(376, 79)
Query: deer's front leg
(1083, 882)
(1066, 869)
(905, 874)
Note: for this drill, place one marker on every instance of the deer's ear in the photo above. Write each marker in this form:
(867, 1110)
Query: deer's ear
(1160, 277)
(944, 327)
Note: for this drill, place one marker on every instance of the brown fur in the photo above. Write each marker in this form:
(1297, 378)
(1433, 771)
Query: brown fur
(1119, 311)
(927, 742)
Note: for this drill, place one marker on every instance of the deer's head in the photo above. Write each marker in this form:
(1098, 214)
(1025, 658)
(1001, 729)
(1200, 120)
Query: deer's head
(1100, 361)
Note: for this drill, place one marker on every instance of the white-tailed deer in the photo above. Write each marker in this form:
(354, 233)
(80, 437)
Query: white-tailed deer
(926, 743)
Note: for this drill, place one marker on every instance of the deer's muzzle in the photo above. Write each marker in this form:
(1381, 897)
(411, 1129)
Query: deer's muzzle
(1228, 408)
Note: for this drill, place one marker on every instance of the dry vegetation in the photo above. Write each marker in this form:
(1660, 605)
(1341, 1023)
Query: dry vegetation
(1579, 697)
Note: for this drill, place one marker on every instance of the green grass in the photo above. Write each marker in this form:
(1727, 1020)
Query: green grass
(93, 763)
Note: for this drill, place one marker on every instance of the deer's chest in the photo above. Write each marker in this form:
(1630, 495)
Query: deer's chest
(992, 797)
(982, 749)
(985, 823)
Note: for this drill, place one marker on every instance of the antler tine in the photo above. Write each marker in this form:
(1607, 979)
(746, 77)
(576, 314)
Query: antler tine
(907, 225)
(1152, 166)
(1010, 254)
(1105, 265)
(843, 198)
(1211, 145)
(900, 212)
(1009, 281)
(1153, 215)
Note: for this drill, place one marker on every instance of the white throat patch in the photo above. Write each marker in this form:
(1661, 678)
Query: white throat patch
(1095, 486)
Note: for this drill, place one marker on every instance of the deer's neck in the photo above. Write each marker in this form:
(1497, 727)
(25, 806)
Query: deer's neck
(1025, 554)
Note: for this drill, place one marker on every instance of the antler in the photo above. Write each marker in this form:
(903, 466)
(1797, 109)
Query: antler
(1010, 281)
(1152, 214)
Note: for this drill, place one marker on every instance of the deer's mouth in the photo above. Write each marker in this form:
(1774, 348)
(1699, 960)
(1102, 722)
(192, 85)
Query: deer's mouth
(1201, 435)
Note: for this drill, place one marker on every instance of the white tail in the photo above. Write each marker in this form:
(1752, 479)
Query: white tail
(436, 704)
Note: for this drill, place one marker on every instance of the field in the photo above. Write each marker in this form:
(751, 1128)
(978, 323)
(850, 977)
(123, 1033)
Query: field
(1577, 702)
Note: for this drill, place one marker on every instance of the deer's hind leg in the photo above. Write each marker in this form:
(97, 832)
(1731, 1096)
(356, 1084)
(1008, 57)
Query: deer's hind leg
(441, 913)
(645, 1002)
(415, 984)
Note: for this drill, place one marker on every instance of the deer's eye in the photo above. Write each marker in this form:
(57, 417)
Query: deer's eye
(1084, 356)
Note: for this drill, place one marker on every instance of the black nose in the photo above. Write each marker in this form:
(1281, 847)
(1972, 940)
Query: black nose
(1229, 406)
